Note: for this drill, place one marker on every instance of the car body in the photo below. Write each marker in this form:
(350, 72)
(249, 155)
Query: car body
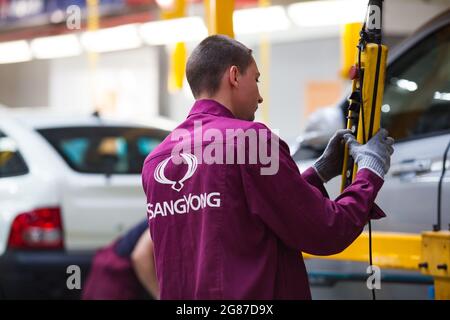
(68, 185)
(416, 112)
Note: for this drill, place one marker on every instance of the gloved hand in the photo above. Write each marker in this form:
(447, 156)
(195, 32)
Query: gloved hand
(329, 165)
(375, 155)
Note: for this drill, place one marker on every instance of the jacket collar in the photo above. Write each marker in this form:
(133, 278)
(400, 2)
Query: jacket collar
(210, 107)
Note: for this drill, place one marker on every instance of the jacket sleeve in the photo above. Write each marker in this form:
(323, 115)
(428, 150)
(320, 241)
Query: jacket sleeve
(310, 175)
(297, 208)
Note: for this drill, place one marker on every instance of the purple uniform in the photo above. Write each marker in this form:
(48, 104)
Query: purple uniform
(225, 231)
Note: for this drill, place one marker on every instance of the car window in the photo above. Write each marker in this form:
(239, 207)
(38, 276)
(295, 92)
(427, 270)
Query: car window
(109, 150)
(417, 92)
(11, 161)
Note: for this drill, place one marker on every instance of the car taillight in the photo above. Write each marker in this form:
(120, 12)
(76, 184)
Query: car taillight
(37, 229)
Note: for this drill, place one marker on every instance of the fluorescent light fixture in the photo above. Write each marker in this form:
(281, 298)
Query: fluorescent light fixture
(410, 86)
(327, 13)
(442, 96)
(56, 47)
(258, 20)
(112, 39)
(171, 31)
(15, 51)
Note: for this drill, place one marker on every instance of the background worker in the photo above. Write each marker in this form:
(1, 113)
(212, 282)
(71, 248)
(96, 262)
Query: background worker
(125, 269)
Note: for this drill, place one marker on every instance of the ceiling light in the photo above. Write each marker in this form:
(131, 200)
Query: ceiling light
(56, 46)
(15, 51)
(326, 13)
(258, 20)
(112, 39)
(171, 31)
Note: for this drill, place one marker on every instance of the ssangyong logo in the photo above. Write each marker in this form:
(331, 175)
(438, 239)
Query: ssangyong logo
(159, 176)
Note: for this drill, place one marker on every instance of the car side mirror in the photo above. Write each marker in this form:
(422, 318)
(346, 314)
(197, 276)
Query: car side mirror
(320, 127)
(317, 140)
(310, 146)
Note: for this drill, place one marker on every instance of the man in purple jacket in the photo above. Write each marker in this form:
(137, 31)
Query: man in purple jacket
(229, 211)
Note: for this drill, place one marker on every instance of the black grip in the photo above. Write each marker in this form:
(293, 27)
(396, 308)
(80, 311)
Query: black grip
(376, 2)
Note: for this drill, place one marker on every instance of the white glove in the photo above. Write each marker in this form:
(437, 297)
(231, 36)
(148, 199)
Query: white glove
(375, 155)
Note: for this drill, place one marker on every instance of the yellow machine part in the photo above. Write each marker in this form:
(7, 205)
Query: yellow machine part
(177, 11)
(351, 114)
(390, 250)
(349, 42)
(178, 55)
(428, 252)
(219, 17)
(373, 63)
(435, 261)
(178, 60)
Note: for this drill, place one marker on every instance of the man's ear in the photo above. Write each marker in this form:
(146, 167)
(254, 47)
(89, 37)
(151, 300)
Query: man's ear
(233, 76)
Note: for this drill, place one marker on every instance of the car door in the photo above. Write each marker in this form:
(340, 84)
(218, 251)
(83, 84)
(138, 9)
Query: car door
(416, 112)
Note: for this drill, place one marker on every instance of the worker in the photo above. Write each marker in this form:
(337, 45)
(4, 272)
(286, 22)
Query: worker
(125, 269)
(228, 229)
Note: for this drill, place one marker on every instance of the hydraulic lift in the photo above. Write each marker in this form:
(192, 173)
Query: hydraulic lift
(428, 252)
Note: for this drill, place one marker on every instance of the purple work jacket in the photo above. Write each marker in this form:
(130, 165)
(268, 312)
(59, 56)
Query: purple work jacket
(225, 231)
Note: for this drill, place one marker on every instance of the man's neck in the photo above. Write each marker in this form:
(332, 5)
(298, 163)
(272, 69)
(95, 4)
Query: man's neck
(220, 99)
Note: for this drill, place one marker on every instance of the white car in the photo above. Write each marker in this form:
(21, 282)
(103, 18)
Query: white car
(68, 185)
